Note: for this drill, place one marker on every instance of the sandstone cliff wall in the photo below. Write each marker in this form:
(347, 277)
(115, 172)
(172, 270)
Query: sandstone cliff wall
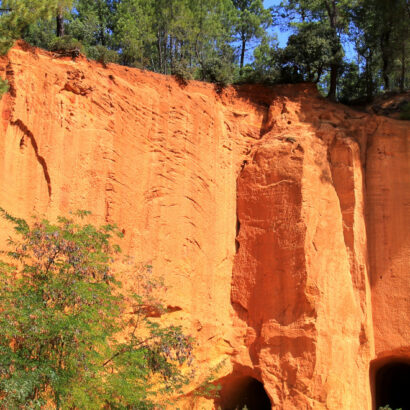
(280, 221)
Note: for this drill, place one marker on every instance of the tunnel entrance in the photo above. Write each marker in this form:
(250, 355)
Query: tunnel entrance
(393, 386)
(239, 392)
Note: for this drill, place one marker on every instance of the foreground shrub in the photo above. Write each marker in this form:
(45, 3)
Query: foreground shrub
(67, 340)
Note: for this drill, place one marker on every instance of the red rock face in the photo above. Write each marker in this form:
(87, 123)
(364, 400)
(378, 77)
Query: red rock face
(388, 216)
(279, 221)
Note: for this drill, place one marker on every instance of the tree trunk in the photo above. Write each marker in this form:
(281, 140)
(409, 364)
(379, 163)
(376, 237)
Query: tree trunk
(165, 60)
(159, 51)
(242, 55)
(101, 30)
(403, 66)
(171, 40)
(385, 50)
(386, 79)
(171, 53)
(334, 68)
(60, 23)
(369, 79)
(319, 74)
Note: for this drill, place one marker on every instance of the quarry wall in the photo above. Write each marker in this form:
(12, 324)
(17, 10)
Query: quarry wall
(280, 221)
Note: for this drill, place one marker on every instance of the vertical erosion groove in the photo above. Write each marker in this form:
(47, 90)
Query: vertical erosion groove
(238, 227)
(39, 158)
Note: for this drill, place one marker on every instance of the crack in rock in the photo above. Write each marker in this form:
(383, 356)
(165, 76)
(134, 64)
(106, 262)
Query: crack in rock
(39, 158)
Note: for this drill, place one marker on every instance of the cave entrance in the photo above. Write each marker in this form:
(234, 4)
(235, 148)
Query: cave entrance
(392, 385)
(238, 392)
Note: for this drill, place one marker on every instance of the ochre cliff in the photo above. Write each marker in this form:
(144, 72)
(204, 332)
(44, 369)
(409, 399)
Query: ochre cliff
(280, 221)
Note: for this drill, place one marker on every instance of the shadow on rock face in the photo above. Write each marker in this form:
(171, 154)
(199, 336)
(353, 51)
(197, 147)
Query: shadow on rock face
(392, 385)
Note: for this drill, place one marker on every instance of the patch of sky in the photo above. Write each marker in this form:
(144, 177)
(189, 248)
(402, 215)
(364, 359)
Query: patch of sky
(282, 33)
(277, 31)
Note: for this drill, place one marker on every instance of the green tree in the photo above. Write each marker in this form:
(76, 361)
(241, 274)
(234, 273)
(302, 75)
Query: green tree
(367, 46)
(265, 66)
(177, 37)
(308, 54)
(68, 338)
(61, 7)
(133, 39)
(382, 33)
(337, 12)
(252, 21)
(99, 16)
(351, 87)
(17, 15)
(335, 16)
(213, 37)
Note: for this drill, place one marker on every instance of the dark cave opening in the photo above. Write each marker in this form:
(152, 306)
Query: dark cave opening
(239, 392)
(392, 386)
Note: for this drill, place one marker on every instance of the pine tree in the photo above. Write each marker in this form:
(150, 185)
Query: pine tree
(251, 22)
(335, 16)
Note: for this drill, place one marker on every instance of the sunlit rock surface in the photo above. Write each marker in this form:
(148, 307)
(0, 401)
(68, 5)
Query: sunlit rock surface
(280, 221)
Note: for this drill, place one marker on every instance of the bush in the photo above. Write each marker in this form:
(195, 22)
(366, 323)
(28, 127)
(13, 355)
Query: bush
(102, 54)
(182, 72)
(405, 112)
(216, 71)
(5, 45)
(66, 44)
(4, 87)
(209, 388)
(66, 339)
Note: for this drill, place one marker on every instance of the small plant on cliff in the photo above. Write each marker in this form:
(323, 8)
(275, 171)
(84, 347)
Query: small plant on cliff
(66, 44)
(4, 87)
(102, 54)
(68, 339)
(209, 388)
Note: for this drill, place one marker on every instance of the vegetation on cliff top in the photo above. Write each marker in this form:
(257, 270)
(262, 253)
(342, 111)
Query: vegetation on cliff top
(228, 41)
(70, 337)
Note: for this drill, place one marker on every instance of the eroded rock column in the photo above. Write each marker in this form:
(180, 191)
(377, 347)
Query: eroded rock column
(299, 279)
